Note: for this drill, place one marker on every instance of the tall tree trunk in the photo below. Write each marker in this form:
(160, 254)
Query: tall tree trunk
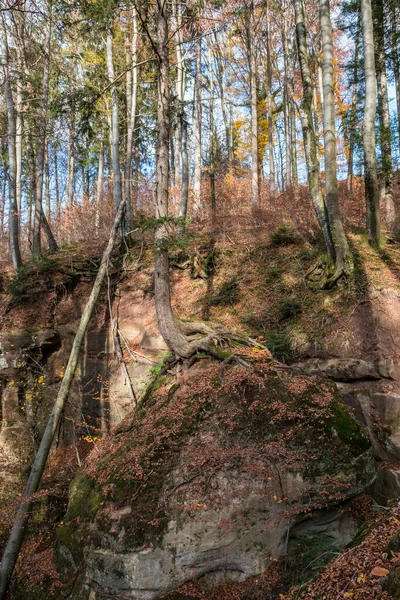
(252, 58)
(99, 186)
(11, 135)
(353, 109)
(131, 122)
(306, 116)
(386, 191)
(394, 18)
(286, 98)
(3, 198)
(270, 119)
(15, 540)
(70, 187)
(183, 157)
(212, 139)
(57, 186)
(343, 261)
(19, 124)
(224, 108)
(47, 183)
(197, 149)
(371, 179)
(39, 220)
(114, 132)
(165, 317)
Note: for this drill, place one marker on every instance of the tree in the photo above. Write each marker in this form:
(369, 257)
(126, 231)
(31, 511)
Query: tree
(131, 121)
(252, 59)
(114, 129)
(198, 132)
(371, 179)
(306, 116)
(12, 159)
(386, 191)
(342, 257)
(39, 219)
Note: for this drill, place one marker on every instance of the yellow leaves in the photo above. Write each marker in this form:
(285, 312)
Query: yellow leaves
(362, 578)
(348, 594)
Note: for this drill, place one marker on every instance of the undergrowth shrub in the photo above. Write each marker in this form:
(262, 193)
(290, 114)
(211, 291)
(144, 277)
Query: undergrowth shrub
(288, 309)
(279, 344)
(227, 294)
(285, 236)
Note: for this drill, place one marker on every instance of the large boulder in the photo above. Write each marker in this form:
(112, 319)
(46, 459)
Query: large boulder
(206, 479)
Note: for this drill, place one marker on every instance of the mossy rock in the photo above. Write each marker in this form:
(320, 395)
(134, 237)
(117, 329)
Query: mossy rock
(158, 474)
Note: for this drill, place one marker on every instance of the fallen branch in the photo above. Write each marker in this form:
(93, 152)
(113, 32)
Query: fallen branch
(18, 529)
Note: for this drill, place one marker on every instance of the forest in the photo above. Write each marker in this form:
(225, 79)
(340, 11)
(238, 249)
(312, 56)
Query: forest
(200, 299)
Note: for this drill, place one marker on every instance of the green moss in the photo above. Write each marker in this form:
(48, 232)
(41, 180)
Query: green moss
(37, 592)
(347, 428)
(84, 498)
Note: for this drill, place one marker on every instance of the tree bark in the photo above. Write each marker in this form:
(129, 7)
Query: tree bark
(224, 109)
(386, 187)
(270, 118)
(197, 149)
(47, 184)
(114, 133)
(394, 18)
(15, 540)
(251, 49)
(353, 109)
(70, 187)
(99, 185)
(306, 116)
(342, 257)
(12, 159)
(371, 179)
(38, 220)
(212, 139)
(131, 122)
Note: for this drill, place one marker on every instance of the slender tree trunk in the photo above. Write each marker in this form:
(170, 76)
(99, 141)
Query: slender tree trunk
(99, 186)
(38, 220)
(310, 141)
(212, 140)
(57, 186)
(131, 122)
(270, 118)
(182, 159)
(386, 191)
(353, 110)
(12, 159)
(224, 109)
(343, 261)
(47, 185)
(172, 156)
(286, 98)
(252, 58)
(166, 320)
(18, 530)
(70, 187)
(197, 149)
(19, 129)
(371, 179)
(3, 198)
(394, 18)
(114, 133)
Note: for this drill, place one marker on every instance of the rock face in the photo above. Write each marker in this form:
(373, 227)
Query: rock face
(32, 364)
(207, 480)
(343, 369)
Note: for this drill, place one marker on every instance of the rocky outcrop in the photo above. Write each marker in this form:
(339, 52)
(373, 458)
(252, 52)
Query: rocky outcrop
(207, 480)
(344, 369)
